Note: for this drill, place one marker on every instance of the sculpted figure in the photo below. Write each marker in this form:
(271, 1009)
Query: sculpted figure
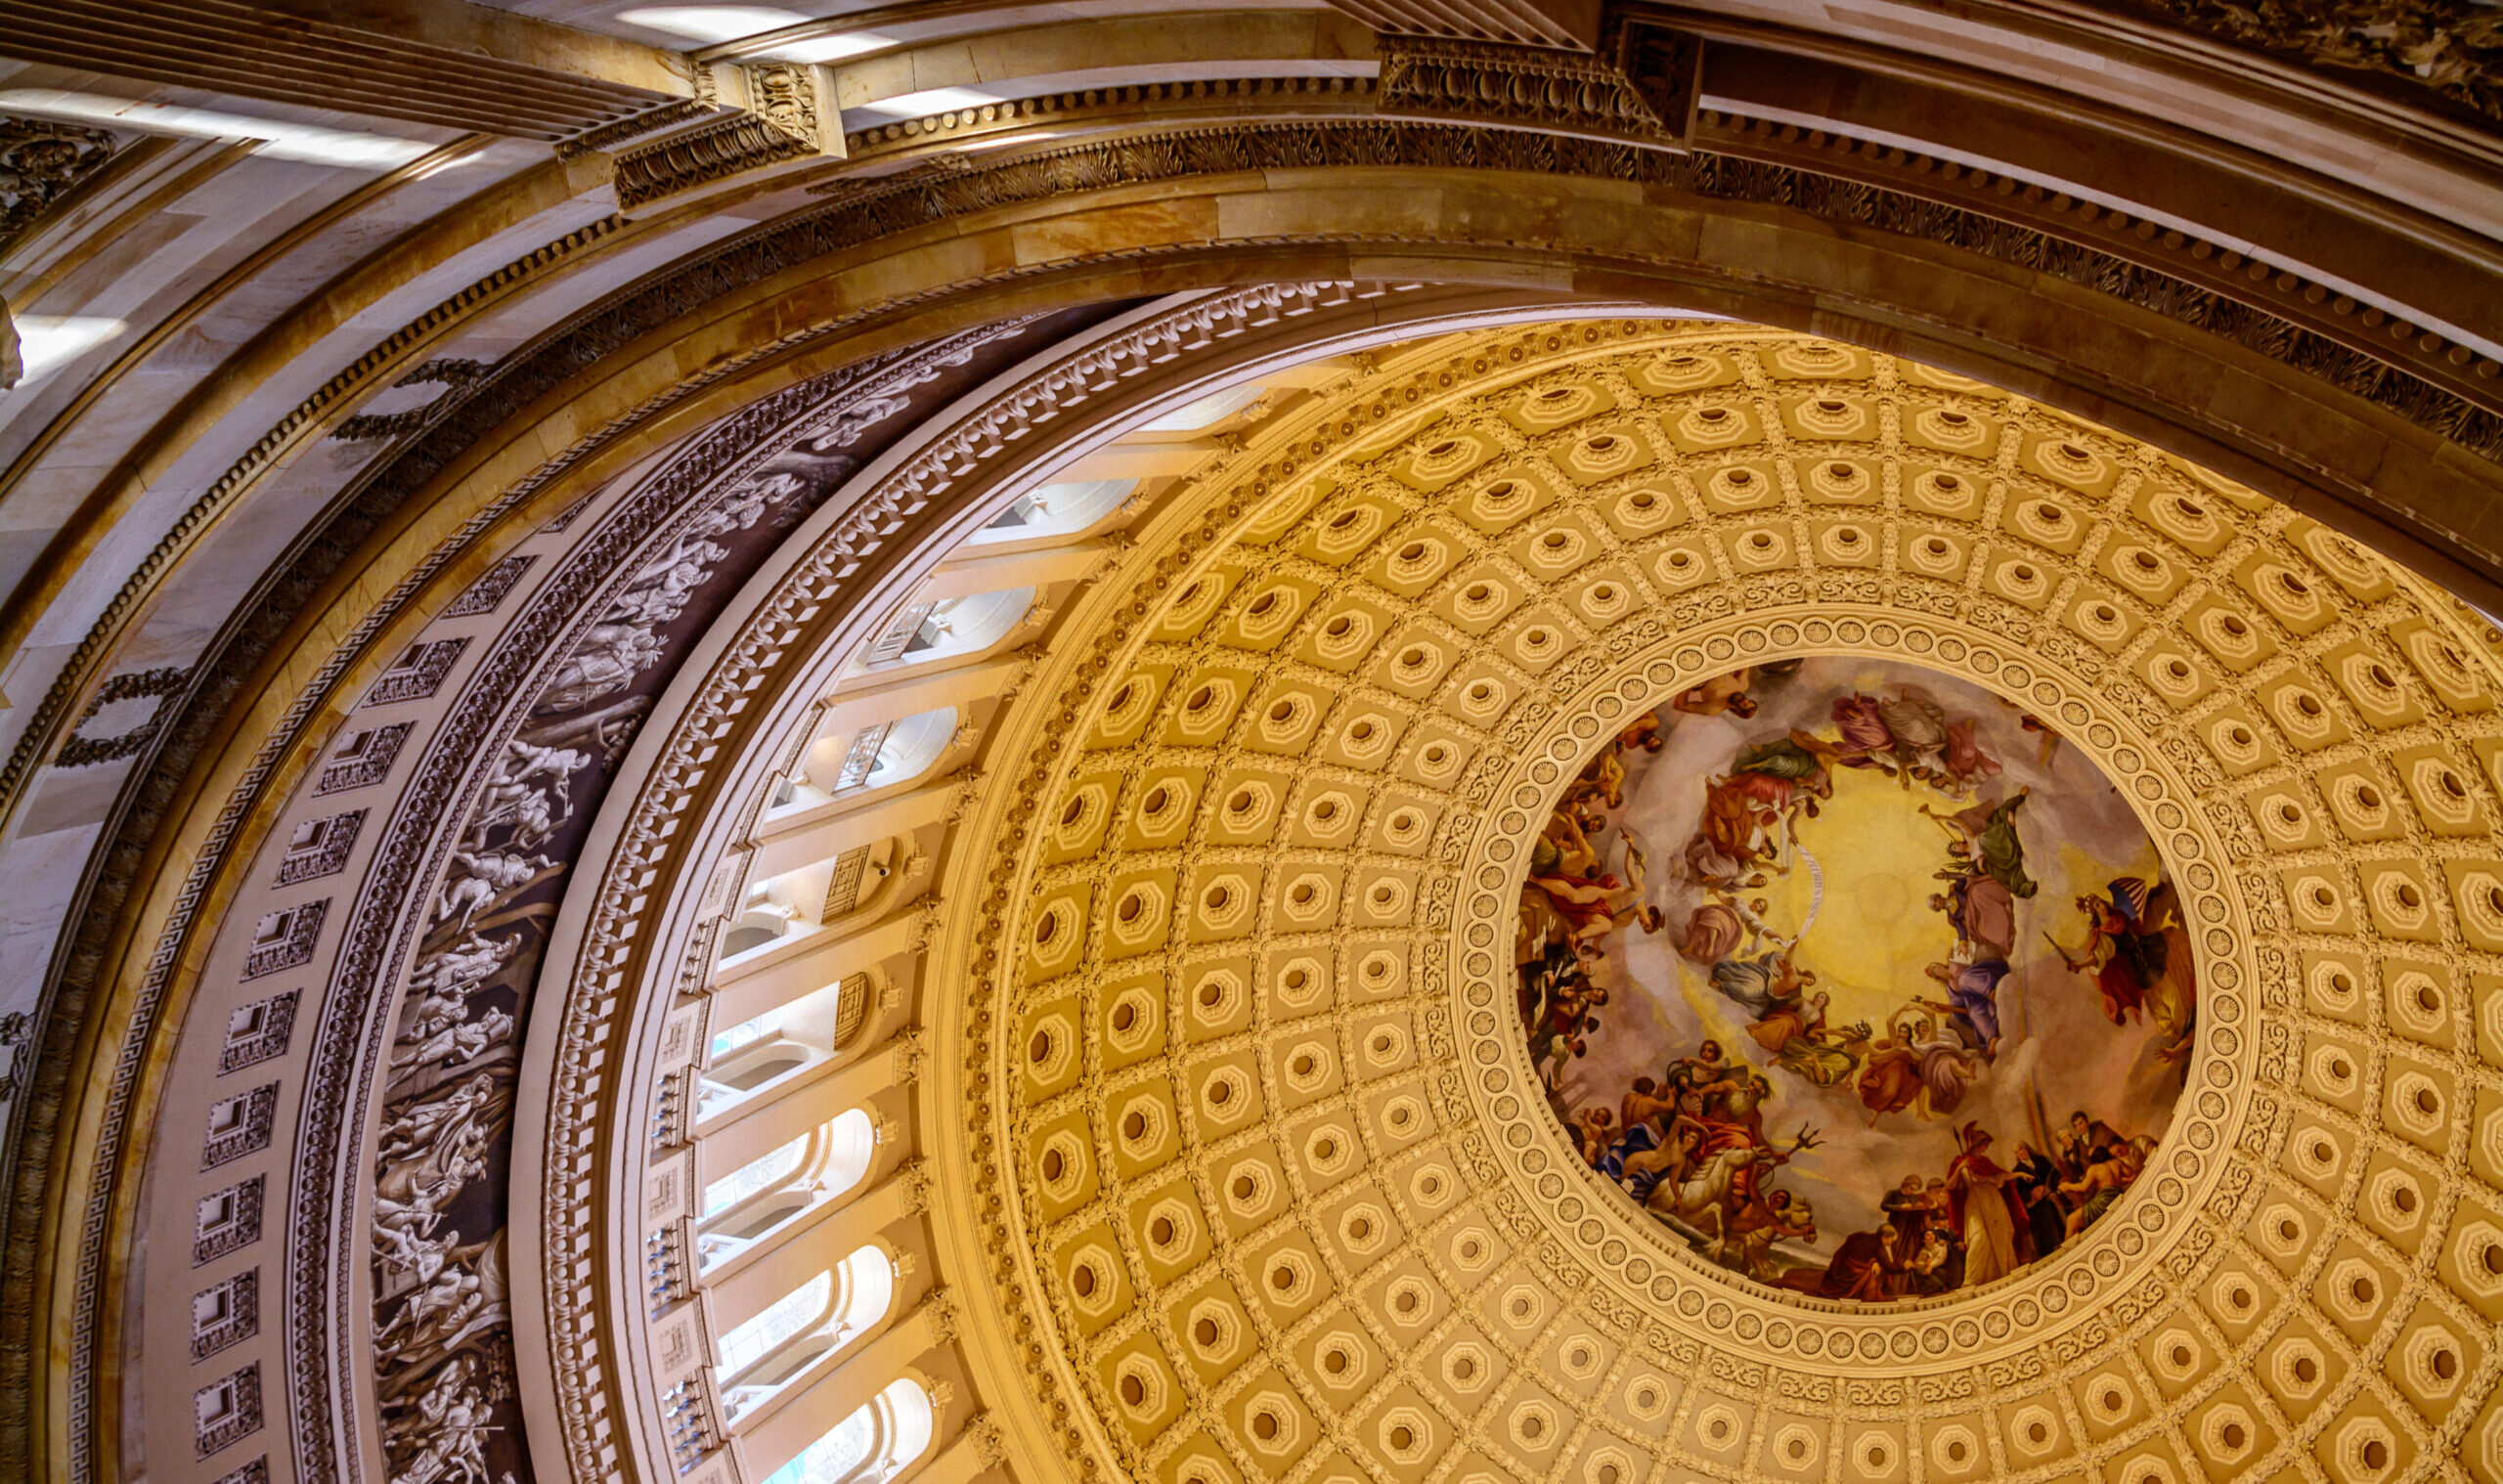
(456, 1043)
(450, 972)
(479, 877)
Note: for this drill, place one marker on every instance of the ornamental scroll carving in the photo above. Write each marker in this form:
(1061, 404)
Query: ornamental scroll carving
(2452, 49)
(1522, 87)
(40, 162)
(782, 123)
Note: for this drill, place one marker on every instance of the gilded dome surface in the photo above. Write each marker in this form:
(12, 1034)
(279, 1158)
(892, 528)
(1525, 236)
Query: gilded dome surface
(1273, 1172)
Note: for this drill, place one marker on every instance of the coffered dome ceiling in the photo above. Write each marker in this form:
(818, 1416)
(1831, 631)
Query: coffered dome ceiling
(1321, 742)
(1296, 829)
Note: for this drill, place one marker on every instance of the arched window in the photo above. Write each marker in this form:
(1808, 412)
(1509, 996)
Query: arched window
(889, 752)
(754, 1029)
(792, 1313)
(740, 1210)
(864, 1288)
(870, 1446)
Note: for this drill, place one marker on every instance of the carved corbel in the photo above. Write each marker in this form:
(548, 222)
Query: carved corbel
(988, 1445)
(916, 1183)
(1638, 89)
(762, 117)
(1111, 548)
(941, 1306)
(925, 930)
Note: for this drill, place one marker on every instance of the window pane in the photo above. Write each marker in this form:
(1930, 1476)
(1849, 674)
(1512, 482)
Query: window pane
(741, 1034)
(832, 1457)
(762, 1174)
(793, 1312)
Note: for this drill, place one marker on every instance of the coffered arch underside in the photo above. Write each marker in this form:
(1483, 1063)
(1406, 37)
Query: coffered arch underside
(1257, 1220)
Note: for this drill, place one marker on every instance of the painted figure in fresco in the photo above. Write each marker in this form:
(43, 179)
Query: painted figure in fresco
(1762, 985)
(1779, 1217)
(1742, 815)
(1749, 812)
(1825, 1056)
(1711, 1192)
(1643, 1106)
(1790, 1020)
(1865, 738)
(1998, 1235)
(1990, 841)
(1713, 932)
(1981, 909)
(1593, 907)
(2131, 957)
(1691, 1080)
(2110, 1169)
(1724, 694)
(1654, 1154)
(1890, 1072)
(1557, 998)
(2036, 1181)
(1888, 1262)
(1731, 694)
(1947, 1070)
(1602, 778)
(1962, 762)
(1905, 737)
(1972, 1000)
(1596, 1127)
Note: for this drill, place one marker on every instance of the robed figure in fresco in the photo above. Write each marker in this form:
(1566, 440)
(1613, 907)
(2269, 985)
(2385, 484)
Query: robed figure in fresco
(1998, 1237)
(2137, 955)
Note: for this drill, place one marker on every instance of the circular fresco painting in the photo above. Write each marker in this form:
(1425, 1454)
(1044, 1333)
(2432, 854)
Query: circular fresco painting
(1856, 976)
